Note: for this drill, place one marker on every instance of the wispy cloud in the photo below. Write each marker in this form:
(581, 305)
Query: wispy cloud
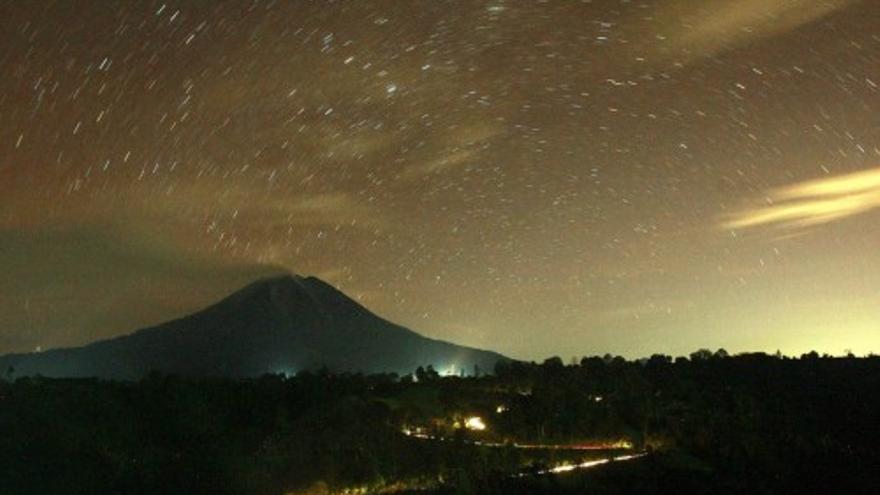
(436, 165)
(716, 25)
(462, 146)
(813, 202)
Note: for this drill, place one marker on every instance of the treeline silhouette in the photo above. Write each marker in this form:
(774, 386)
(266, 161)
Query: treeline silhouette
(753, 423)
(712, 423)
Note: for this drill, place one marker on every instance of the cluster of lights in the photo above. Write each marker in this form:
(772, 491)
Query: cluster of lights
(417, 432)
(475, 423)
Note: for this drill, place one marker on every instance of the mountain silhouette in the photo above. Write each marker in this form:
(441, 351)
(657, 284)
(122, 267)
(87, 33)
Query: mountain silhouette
(279, 325)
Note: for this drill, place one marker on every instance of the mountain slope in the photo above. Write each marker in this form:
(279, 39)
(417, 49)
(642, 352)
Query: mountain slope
(283, 324)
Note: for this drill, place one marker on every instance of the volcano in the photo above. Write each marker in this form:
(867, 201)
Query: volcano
(283, 324)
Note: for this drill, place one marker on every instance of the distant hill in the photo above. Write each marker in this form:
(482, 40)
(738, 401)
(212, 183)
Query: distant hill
(279, 325)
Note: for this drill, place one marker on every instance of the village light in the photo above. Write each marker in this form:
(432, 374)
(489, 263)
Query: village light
(475, 423)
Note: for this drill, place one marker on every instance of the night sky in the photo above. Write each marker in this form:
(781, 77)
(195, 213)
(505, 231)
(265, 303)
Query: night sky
(540, 178)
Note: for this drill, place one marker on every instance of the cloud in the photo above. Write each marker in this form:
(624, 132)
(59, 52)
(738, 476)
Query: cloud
(100, 261)
(458, 147)
(813, 202)
(437, 165)
(73, 284)
(710, 27)
(258, 207)
(330, 208)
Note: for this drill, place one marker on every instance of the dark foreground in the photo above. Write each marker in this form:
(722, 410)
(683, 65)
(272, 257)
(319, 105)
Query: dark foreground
(710, 424)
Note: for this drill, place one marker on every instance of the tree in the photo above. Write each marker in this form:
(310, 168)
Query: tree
(592, 364)
(553, 364)
(502, 369)
(431, 372)
(701, 355)
(658, 360)
(811, 356)
(426, 374)
(421, 376)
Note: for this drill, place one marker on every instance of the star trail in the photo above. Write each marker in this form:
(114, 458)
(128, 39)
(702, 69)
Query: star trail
(539, 178)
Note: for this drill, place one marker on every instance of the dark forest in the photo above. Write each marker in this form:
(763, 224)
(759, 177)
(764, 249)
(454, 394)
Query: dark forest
(710, 423)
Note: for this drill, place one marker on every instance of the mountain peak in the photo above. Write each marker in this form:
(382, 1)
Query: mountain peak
(280, 280)
(287, 281)
(284, 291)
